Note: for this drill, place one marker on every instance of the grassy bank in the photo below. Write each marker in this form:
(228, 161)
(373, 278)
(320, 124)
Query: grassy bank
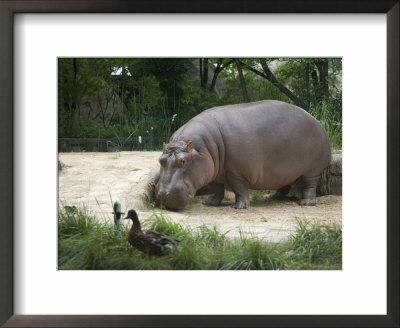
(85, 244)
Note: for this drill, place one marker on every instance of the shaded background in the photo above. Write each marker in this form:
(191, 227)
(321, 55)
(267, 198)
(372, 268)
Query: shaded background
(137, 103)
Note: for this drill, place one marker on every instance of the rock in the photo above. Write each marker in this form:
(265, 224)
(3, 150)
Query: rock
(331, 179)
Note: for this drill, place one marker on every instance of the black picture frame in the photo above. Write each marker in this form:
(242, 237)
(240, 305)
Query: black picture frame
(7, 10)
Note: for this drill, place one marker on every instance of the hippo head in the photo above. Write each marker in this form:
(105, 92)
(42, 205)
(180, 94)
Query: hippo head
(181, 174)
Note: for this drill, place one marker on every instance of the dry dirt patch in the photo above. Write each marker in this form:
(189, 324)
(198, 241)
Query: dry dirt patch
(88, 179)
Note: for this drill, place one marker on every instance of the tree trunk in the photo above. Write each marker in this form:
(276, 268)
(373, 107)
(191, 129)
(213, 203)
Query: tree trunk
(75, 71)
(201, 73)
(308, 85)
(322, 66)
(242, 81)
(66, 100)
(218, 70)
(205, 73)
(314, 77)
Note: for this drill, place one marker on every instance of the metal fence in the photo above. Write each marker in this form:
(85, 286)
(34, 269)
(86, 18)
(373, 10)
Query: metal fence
(66, 145)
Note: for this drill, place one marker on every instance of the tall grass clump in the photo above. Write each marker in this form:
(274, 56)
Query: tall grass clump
(314, 246)
(84, 243)
(329, 114)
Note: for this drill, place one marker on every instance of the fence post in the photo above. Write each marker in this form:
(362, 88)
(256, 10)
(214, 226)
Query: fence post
(140, 143)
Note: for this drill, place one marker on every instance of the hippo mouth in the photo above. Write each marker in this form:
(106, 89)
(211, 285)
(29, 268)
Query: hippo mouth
(174, 201)
(176, 204)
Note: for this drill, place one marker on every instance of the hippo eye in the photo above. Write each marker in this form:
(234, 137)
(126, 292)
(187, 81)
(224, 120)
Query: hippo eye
(181, 162)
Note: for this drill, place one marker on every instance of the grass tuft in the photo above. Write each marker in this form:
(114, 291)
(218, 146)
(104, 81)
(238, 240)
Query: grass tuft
(84, 243)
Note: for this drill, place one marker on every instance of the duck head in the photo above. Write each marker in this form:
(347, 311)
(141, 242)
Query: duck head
(132, 215)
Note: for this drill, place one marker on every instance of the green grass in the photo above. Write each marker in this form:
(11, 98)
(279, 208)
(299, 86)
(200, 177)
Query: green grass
(86, 244)
(258, 194)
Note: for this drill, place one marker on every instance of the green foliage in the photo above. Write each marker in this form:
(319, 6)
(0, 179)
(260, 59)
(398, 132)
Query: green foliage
(330, 118)
(257, 194)
(320, 246)
(131, 97)
(86, 244)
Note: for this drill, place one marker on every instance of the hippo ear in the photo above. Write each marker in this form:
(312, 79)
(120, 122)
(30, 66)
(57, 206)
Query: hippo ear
(190, 146)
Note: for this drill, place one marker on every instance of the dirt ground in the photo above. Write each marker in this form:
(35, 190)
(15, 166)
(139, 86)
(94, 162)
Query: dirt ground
(88, 179)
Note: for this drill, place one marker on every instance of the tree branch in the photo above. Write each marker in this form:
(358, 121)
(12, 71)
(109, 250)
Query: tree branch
(205, 72)
(267, 74)
(218, 70)
(242, 81)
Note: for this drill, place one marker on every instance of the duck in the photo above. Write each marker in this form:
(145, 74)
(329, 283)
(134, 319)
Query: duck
(148, 241)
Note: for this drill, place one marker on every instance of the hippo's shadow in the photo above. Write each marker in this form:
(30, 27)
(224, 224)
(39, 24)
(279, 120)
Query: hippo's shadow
(229, 201)
(272, 201)
(264, 202)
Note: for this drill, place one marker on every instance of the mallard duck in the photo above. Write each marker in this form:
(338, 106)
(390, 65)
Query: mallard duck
(148, 241)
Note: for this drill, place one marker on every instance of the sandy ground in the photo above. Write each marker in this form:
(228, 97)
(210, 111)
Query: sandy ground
(88, 179)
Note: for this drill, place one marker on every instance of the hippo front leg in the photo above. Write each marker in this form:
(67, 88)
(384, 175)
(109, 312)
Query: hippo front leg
(218, 191)
(240, 187)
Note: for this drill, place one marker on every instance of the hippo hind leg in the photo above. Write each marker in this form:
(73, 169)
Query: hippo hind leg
(217, 195)
(281, 192)
(309, 190)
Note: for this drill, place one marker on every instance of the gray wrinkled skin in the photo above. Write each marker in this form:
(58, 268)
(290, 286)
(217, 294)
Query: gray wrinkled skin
(261, 145)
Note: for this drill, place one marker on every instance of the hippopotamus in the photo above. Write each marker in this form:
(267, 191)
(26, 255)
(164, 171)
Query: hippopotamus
(260, 145)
